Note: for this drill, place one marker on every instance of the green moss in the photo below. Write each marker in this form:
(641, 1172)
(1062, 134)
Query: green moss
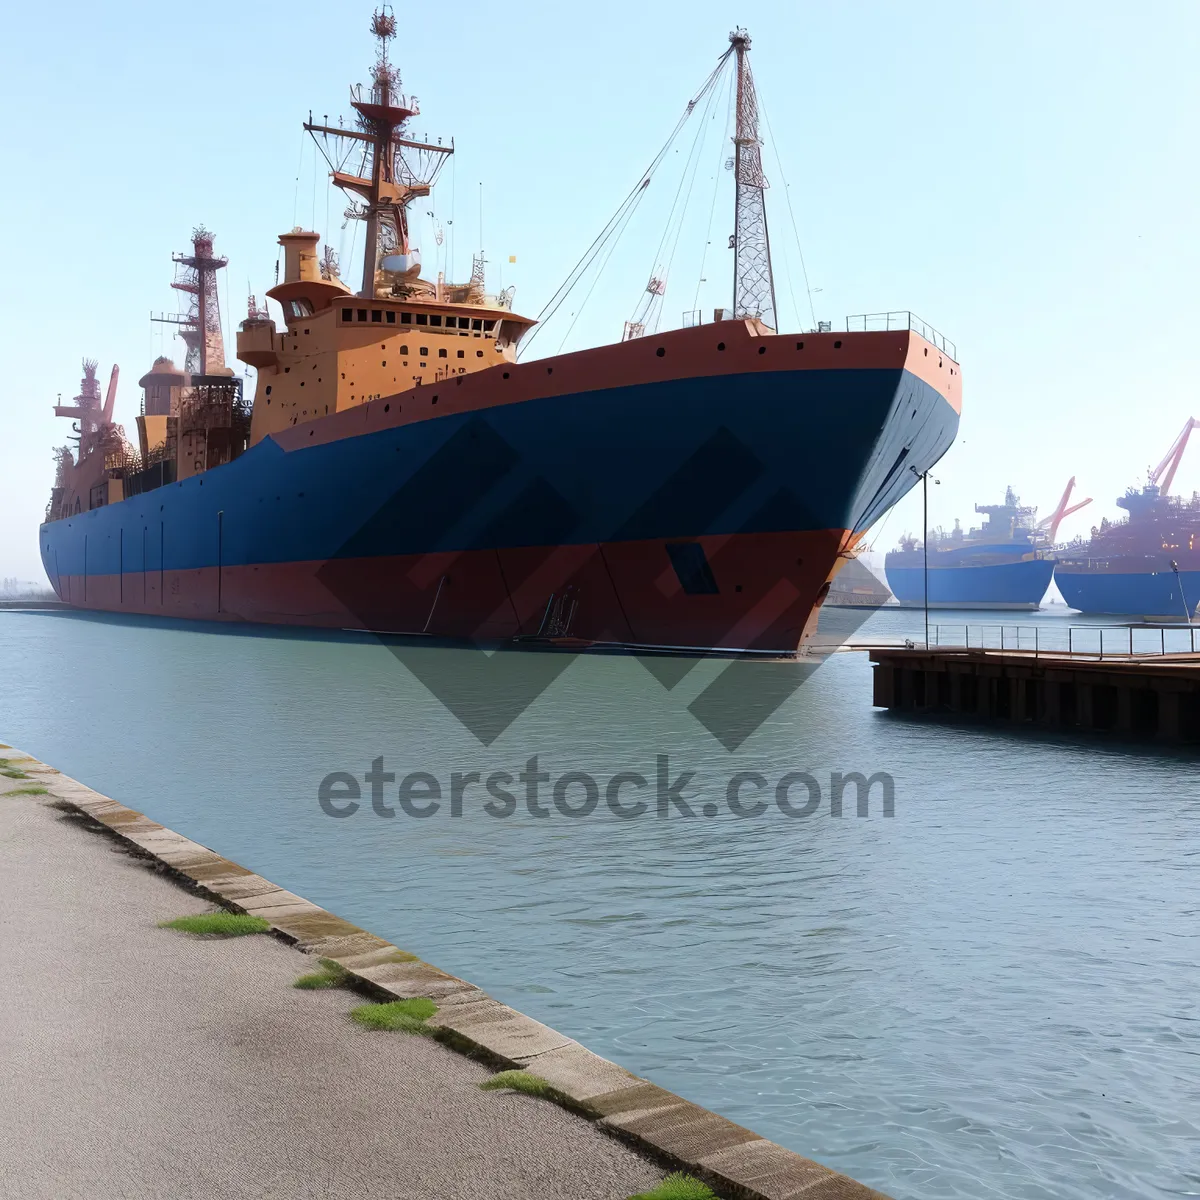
(518, 1081)
(218, 924)
(331, 975)
(678, 1187)
(408, 1016)
(33, 789)
(13, 773)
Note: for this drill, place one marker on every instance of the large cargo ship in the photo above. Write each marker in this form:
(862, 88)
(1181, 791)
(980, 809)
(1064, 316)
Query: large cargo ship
(1147, 564)
(1002, 564)
(400, 471)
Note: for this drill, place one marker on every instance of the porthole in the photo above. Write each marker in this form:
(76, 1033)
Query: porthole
(660, 351)
(763, 349)
(838, 344)
(799, 345)
(505, 374)
(720, 345)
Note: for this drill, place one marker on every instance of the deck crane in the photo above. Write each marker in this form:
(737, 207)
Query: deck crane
(1172, 459)
(1051, 523)
(111, 397)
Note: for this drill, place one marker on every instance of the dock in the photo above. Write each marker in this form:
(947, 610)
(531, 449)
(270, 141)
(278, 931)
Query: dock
(1133, 691)
(145, 1061)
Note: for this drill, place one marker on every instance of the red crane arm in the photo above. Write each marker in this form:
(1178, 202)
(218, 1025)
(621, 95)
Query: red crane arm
(111, 397)
(1173, 458)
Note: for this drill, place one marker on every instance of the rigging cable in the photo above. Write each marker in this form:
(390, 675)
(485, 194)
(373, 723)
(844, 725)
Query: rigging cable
(621, 216)
(693, 163)
(787, 191)
(716, 188)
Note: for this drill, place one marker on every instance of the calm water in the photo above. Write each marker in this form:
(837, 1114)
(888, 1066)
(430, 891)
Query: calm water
(993, 993)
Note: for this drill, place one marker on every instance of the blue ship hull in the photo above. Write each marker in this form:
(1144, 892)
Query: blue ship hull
(1011, 585)
(1155, 594)
(463, 525)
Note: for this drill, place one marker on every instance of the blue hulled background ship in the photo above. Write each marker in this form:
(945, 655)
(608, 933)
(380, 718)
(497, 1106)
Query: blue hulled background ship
(1003, 564)
(1146, 564)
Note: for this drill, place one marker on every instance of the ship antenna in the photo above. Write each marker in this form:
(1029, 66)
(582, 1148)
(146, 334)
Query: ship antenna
(753, 283)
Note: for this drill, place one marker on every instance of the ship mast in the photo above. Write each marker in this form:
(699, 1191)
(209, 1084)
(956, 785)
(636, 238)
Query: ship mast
(200, 327)
(753, 284)
(387, 181)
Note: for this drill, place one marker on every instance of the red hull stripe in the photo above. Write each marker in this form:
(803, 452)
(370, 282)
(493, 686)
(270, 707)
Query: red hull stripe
(767, 587)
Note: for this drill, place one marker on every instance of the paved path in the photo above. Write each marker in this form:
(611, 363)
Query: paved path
(140, 1062)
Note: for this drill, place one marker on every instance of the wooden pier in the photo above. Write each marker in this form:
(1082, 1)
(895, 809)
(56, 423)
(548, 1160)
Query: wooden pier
(1150, 696)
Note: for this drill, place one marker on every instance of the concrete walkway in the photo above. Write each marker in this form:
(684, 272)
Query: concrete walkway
(141, 1062)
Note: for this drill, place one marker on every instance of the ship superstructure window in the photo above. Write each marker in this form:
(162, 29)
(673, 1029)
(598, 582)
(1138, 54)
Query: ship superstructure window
(422, 319)
(441, 354)
(691, 568)
(403, 349)
(405, 318)
(435, 320)
(300, 308)
(362, 314)
(376, 315)
(424, 351)
(488, 325)
(477, 323)
(347, 314)
(391, 317)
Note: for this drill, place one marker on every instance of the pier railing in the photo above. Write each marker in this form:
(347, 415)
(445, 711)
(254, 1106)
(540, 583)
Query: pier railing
(867, 322)
(1080, 641)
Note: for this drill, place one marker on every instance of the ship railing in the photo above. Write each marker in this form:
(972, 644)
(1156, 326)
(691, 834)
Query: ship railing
(902, 319)
(1099, 642)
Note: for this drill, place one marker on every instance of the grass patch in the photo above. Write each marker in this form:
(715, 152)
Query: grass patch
(408, 1016)
(331, 975)
(12, 773)
(678, 1187)
(33, 789)
(218, 924)
(518, 1081)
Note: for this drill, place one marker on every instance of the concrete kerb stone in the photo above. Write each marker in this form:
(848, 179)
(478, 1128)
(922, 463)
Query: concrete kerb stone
(579, 1075)
(761, 1168)
(654, 1121)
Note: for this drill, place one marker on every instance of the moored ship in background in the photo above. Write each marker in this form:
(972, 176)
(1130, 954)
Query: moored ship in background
(398, 470)
(1003, 564)
(1146, 565)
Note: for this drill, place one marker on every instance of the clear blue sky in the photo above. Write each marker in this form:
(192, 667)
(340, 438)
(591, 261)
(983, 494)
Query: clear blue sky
(1022, 175)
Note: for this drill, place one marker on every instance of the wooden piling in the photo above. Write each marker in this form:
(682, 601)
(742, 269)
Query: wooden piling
(1156, 698)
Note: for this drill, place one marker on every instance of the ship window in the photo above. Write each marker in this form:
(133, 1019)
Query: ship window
(391, 318)
(403, 349)
(460, 354)
(435, 320)
(424, 351)
(406, 318)
(691, 568)
(441, 354)
(422, 319)
(362, 314)
(268, 389)
(489, 325)
(347, 314)
(376, 315)
(300, 308)
(478, 353)
(477, 323)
